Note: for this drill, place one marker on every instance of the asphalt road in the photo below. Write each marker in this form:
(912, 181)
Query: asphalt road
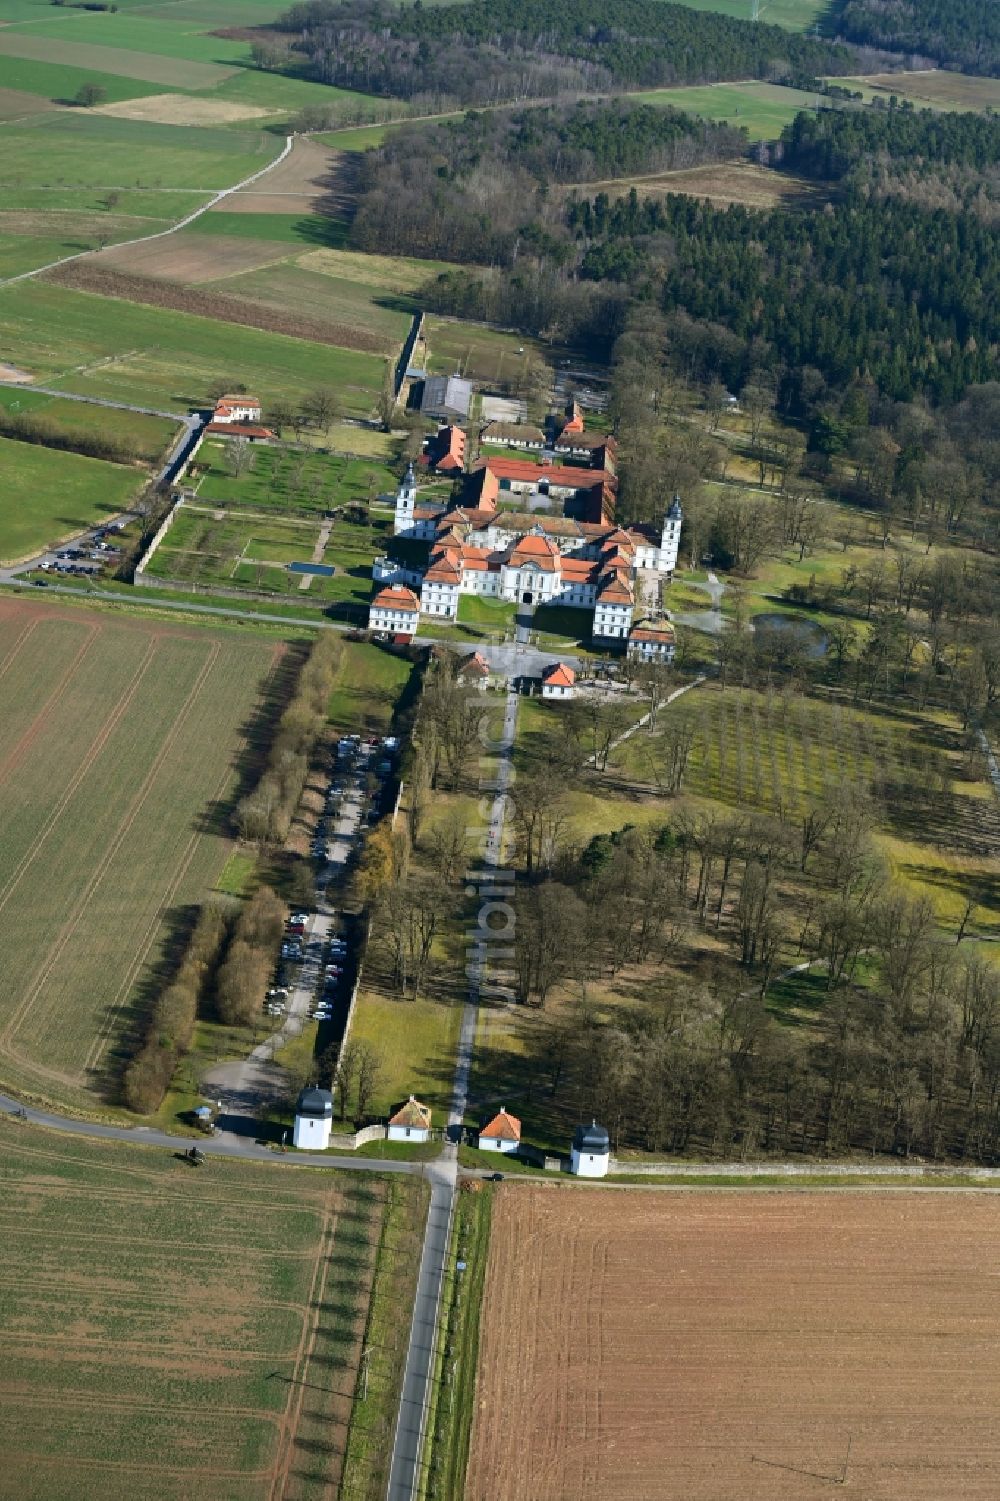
(443, 1175)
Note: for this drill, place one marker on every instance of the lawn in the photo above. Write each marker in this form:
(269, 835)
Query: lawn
(229, 1292)
(297, 480)
(118, 746)
(494, 614)
(416, 1042)
(764, 108)
(107, 347)
(370, 683)
(564, 622)
(49, 495)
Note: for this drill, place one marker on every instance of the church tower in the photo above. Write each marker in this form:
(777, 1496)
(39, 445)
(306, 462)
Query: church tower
(670, 537)
(406, 499)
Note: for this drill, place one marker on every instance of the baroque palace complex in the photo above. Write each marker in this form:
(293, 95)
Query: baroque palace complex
(499, 539)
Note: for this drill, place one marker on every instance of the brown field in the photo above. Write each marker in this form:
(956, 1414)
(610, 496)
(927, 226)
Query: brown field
(175, 72)
(180, 109)
(723, 1346)
(91, 276)
(943, 90)
(194, 258)
(722, 182)
(14, 103)
(309, 176)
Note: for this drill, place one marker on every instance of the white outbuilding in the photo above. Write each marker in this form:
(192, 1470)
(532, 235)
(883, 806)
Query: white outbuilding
(411, 1122)
(313, 1120)
(503, 1134)
(591, 1151)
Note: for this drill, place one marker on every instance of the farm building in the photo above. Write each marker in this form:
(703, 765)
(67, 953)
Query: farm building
(652, 641)
(445, 452)
(591, 1151)
(411, 1122)
(446, 398)
(313, 1120)
(237, 409)
(559, 681)
(503, 1134)
(513, 435)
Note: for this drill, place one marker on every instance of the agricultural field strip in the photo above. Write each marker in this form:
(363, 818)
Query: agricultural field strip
(115, 713)
(14, 1024)
(218, 196)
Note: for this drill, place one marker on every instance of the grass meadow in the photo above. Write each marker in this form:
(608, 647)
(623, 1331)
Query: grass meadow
(49, 495)
(150, 435)
(173, 1332)
(367, 689)
(764, 108)
(119, 748)
(104, 346)
(794, 15)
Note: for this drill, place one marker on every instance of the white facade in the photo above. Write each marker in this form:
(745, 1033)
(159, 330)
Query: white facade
(670, 538)
(591, 1152)
(612, 621)
(497, 1144)
(409, 1133)
(237, 409)
(589, 1164)
(439, 599)
(393, 617)
(313, 1120)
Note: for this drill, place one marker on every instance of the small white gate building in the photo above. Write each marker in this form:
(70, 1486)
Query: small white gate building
(591, 1151)
(313, 1120)
(412, 1122)
(503, 1134)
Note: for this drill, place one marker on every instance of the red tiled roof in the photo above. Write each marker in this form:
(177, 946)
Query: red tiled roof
(443, 571)
(239, 429)
(565, 476)
(398, 597)
(651, 633)
(503, 1127)
(559, 676)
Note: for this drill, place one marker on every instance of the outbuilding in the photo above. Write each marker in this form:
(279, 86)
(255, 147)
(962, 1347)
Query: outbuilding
(558, 681)
(411, 1122)
(503, 1134)
(313, 1120)
(591, 1151)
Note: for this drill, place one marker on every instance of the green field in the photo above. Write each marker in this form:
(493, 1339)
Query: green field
(483, 354)
(49, 495)
(288, 229)
(82, 149)
(174, 1333)
(150, 435)
(348, 304)
(930, 89)
(105, 347)
(794, 15)
(763, 108)
(118, 743)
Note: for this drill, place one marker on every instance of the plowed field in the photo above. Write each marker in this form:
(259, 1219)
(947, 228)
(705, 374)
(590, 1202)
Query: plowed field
(173, 1334)
(741, 1346)
(118, 751)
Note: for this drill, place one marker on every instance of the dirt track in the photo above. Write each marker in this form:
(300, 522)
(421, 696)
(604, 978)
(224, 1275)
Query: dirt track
(729, 1347)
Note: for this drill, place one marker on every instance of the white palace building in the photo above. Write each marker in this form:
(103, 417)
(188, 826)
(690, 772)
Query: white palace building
(521, 556)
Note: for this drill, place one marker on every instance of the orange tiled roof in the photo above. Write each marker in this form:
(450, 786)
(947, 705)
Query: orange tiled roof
(559, 676)
(398, 597)
(503, 1127)
(239, 429)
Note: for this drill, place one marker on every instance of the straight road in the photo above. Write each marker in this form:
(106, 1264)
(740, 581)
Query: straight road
(417, 1380)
